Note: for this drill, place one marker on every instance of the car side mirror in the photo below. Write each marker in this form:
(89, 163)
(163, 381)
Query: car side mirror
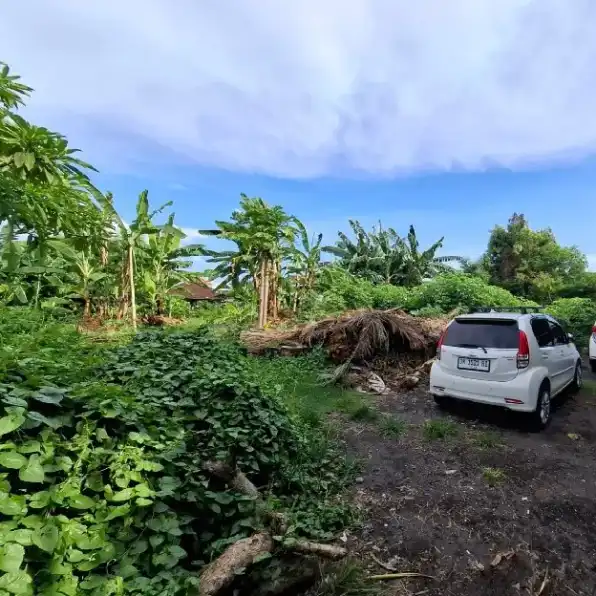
(570, 336)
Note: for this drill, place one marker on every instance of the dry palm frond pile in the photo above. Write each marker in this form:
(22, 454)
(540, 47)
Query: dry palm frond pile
(391, 341)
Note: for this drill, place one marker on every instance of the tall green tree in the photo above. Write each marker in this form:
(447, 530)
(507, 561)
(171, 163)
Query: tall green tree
(383, 256)
(263, 236)
(529, 262)
(164, 262)
(304, 262)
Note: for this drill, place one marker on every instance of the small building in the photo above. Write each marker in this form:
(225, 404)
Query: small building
(195, 291)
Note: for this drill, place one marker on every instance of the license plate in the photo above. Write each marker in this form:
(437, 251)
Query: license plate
(481, 364)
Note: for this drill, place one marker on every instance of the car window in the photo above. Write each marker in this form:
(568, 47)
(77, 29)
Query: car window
(542, 332)
(469, 333)
(559, 335)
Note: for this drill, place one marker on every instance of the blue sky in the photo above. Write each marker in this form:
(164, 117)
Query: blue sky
(449, 116)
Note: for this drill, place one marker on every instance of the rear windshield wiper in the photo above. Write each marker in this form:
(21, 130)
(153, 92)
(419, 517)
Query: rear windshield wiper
(472, 346)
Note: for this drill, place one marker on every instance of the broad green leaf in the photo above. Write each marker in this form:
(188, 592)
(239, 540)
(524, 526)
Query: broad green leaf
(12, 460)
(39, 500)
(81, 502)
(30, 447)
(75, 556)
(54, 423)
(49, 395)
(47, 538)
(12, 504)
(18, 583)
(89, 542)
(122, 495)
(58, 567)
(143, 502)
(32, 471)
(119, 511)
(11, 422)
(11, 557)
(35, 522)
(20, 536)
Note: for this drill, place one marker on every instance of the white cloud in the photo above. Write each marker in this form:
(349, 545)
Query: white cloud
(305, 88)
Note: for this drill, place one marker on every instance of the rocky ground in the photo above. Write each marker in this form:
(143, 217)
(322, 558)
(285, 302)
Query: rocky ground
(472, 499)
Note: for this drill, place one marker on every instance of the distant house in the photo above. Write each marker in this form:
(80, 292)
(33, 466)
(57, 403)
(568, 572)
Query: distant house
(195, 291)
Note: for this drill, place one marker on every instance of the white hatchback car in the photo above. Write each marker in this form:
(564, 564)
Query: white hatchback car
(592, 349)
(516, 360)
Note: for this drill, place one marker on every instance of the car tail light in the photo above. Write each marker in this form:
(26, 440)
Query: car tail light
(594, 331)
(440, 344)
(523, 350)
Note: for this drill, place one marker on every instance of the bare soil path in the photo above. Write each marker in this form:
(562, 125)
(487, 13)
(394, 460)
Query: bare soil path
(491, 510)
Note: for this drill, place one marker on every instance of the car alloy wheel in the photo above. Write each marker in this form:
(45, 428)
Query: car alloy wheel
(544, 406)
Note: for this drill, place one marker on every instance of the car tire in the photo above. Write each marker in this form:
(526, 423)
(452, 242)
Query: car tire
(578, 377)
(542, 415)
(593, 365)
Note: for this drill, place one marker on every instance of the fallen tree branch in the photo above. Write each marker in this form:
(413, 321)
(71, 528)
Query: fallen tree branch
(316, 548)
(234, 478)
(220, 573)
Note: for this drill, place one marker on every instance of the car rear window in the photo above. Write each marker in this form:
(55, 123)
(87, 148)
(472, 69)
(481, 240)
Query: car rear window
(482, 333)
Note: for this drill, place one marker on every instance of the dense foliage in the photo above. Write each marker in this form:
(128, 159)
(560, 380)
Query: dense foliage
(102, 487)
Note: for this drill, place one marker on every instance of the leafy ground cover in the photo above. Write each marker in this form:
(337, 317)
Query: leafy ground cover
(102, 482)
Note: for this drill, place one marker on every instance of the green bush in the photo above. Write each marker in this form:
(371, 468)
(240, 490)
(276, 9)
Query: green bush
(577, 315)
(387, 296)
(459, 291)
(102, 481)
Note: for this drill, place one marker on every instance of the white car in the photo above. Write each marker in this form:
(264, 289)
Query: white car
(592, 349)
(516, 360)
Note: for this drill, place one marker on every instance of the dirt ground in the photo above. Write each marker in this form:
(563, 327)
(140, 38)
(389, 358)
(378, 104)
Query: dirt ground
(429, 505)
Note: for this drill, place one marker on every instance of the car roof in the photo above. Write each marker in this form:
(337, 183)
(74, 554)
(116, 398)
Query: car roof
(493, 315)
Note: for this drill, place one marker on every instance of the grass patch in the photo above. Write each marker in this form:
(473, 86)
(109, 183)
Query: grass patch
(590, 387)
(297, 381)
(440, 428)
(488, 440)
(365, 414)
(493, 476)
(346, 579)
(392, 427)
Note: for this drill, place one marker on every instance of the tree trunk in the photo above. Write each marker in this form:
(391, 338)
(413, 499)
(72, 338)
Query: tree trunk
(159, 306)
(86, 307)
(133, 302)
(273, 290)
(264, 293)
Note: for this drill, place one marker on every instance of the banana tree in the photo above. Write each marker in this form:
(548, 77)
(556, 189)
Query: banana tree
(304, 262)
(263, 236)
(131, 240)
(165, 260)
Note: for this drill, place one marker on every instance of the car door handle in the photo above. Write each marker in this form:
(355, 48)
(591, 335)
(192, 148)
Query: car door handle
(544, 356)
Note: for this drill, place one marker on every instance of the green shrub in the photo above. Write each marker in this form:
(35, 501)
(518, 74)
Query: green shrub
(387, 296)
(458, 290)
(102, 482)
(577, 315)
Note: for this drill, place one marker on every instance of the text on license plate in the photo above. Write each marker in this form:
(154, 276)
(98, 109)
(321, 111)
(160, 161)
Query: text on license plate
(482, 364)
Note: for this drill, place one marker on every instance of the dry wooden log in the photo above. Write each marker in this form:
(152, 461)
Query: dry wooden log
(234, 478)
(316, 548)
(220, 573)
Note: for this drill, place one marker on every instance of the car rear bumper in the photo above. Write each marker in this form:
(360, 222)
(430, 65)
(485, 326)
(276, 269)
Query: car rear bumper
(492, 393)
